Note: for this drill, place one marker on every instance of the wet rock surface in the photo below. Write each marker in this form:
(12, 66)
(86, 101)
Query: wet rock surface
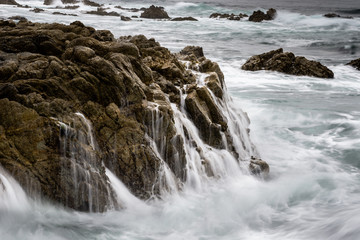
(287, 62)
(227, 16)
(155, 12)
(178, 19)
(56, 79)
(355, 63)
(259, 16)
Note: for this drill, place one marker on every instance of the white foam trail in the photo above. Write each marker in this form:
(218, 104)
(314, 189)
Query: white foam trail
(124, 197)
(12, 196)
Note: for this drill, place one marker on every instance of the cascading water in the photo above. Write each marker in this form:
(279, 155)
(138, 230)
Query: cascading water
(81, 165)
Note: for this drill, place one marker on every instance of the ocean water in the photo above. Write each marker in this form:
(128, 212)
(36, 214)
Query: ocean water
(307, 129)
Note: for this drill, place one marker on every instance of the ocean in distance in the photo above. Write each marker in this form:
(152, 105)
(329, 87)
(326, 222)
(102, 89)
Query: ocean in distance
(307, 129)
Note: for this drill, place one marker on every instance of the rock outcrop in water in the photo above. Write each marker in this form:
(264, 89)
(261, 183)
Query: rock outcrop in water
(355, 63)
(259, 16)
(154, 12)
(75, 101)
(227, 16)
(287, 62)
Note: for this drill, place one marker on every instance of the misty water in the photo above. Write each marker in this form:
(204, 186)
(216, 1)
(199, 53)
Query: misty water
(307, 129)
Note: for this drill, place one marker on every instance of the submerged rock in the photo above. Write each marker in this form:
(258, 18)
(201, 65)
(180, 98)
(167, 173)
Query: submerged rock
(37, 10)
(178, 19)
(101, 12)
(334, 15)
(231, 16)
(155, 13)
(355, 63)
(259, 16)
(287, 62)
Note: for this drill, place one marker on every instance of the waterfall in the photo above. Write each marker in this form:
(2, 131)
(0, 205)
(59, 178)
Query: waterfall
(12, 196)
(81, 166)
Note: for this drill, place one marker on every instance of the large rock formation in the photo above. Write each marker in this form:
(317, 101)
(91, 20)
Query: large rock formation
(155, 13)
(355, 63)
(73, 100)
(286, 62)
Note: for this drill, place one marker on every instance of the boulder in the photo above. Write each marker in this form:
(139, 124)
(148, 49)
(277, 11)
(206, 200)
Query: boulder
(334, 15)
(178, 19)
(155, 13)
(259, 16)
(355, 63)
(287, 62)
(123, 18)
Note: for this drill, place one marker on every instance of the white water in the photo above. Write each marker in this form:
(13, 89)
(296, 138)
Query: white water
(307, 129)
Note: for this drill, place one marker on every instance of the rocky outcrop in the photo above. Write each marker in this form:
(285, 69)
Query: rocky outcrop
(334, 15)
(74, 100)
(227, 16)
(287, 62)
(37, 10)
(259, 16)
(85, 2)
(101, 12)
(155, 13)
(178, 19)
(355, 63)
(9, 2)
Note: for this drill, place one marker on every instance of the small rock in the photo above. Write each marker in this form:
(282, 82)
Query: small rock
(18, 18)
(154, 12)
(259, 16)
(184, 19)
(37, 10)
(102, 12)
(123, 18)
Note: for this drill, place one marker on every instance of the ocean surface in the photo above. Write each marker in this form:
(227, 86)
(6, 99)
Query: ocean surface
(307, 129)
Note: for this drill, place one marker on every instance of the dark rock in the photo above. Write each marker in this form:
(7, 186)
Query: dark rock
(334, 15)
(355, 63)
(18, 18)
(91, 3)
(70, 1)
(286, 62)
(123, 18)
(178, 19)
(37, 10)
(64, 14)
(129, 9)
(9, 2)
(259, 16)
(231, 16)
(102, 12)
(155, 13)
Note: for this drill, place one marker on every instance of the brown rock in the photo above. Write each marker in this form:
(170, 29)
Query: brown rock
(155, 13)
(178, 19)
(277, 60)
(355, 63)
(259, 16)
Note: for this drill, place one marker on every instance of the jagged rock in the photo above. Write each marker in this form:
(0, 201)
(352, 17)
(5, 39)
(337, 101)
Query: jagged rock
(9, 2)
(178, 19)
(277, 60)
(355, 63)
(91, 3)
(231, 16)
(155, 13)
(101, 12)
(197, 51)
(126, 88)
(259, 16)
(128, 9)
